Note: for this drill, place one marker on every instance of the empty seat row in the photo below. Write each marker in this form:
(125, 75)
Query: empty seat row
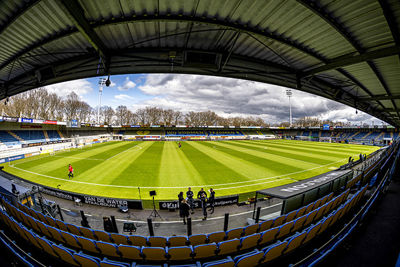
(252, 258)
(172, 241)
(185, 253)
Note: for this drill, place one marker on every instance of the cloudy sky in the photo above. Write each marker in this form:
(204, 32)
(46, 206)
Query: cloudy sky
(225, 96)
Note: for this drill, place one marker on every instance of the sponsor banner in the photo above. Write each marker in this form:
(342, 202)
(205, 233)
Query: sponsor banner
(220, 201)
(61, 123)
(135, 126)
(326, 127)
(3, 161)
(26, 120)
(10, 119)
(28, 155)
(93, 200)
(38, 121)
(1, 118)
(15, 158)
(49, 122)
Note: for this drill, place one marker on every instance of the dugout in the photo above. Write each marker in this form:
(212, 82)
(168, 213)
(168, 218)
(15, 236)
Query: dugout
(301, 193)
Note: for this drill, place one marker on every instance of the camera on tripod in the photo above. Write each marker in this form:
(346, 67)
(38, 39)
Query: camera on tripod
(154, 213)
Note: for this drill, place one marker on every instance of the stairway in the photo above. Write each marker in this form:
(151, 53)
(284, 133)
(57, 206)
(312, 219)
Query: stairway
(354, 135)
(365, 136)
(46, 136)
(60, 134)
(15, 136)
(380, 136)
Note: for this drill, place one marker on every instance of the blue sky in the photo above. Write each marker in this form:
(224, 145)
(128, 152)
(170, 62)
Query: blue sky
(225, 96)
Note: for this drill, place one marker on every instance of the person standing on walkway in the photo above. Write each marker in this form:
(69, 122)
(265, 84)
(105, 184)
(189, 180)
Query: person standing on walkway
(184, 210)
(211, 200)
(203, 200)
(189, 198)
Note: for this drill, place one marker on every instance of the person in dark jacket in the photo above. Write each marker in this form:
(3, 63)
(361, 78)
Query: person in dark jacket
(189, 198)
(184, 210)
(211, 200)
(201, 192)
(203, 200)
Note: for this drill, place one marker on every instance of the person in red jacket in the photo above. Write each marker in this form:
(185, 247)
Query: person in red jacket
(70, 171)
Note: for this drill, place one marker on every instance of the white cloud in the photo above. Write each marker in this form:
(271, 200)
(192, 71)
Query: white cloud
(232, 97)
(123, 97)
(80, 87)
(128, 84)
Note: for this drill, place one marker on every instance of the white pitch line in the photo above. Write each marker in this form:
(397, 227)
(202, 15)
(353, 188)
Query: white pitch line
(177, 187)
(199, 220)
(137, 146)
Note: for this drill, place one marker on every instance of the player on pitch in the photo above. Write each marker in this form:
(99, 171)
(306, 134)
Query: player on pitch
(70, 171)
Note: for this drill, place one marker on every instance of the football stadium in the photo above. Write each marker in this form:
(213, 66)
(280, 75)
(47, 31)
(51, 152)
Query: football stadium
(195, 160)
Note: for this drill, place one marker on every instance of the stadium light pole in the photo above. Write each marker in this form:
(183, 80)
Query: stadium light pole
(102, 82)
(289, 94)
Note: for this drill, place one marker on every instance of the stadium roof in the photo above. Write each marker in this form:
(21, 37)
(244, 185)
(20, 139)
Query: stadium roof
(348, 51)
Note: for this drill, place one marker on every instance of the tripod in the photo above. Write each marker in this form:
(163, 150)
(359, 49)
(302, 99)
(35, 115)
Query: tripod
(154, 213)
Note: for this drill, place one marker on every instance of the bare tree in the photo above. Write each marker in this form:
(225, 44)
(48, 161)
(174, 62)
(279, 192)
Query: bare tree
(107, 114)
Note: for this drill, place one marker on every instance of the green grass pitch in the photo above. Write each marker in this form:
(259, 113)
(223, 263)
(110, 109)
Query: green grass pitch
(117, 169)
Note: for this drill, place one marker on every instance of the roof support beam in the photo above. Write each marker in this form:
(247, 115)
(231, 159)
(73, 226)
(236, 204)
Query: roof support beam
(76, 13)
(14, 16)
(379, 97)
(350, 60)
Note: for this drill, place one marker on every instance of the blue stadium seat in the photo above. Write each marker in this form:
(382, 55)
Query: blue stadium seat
(268, 236)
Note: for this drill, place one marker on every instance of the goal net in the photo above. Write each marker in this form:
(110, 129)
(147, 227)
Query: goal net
(325, 139)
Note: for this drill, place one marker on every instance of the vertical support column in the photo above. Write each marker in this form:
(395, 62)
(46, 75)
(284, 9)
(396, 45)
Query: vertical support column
(226, 221)
(150, 225)
(189, 226)
(59, 212)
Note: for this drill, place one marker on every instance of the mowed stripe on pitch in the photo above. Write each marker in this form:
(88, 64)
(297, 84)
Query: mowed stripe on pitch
(143, 170)
(240, 164)
(55, 166)
(107, 171)
(289, 151)
(212, 171)
(176, 168)
(280, 155)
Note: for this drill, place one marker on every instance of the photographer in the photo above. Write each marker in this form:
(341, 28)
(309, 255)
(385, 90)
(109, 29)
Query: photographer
(184, 210)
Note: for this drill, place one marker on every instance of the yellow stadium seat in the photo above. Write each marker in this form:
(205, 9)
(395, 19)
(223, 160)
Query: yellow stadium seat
(87, 244)
(251, 229)
(157, 241)
(119, 239)
(177, 241)
(274, 251)
(265, 225)
(180, 253)
(278, 221)
(284, 230)
(249, 241)
(65, 255)
(137, 240)
(234, 233)
(228, 247)
(154, 253)
(216, 237)
(268, 236)
(295, 242)
(198, 239)
(204, 251)
(130, 252)
(108, 249)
